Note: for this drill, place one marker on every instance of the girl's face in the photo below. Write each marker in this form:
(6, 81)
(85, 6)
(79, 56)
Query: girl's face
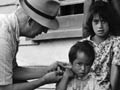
(81, 65)
(100, 26)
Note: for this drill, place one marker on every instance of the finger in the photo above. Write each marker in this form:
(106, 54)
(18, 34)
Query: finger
(58, 68)
(59, 77)
(62, 63)
(68, 66)
(59, 73)
(65, 67)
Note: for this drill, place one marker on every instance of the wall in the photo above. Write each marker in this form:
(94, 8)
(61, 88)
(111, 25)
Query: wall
(46, 52)
(7, 6)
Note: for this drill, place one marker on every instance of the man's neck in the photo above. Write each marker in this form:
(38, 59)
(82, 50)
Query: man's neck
(22, 19)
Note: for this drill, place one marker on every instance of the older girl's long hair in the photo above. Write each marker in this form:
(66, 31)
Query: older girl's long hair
(104, 10)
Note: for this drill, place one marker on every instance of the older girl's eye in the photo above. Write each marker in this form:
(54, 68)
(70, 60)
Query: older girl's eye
(78, 64)
(95, 21)
(103, 21)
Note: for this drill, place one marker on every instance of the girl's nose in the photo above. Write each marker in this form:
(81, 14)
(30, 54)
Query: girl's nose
(82, 67)
(100, 24)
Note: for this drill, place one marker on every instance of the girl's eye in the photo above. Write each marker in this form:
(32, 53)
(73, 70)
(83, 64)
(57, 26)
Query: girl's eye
(103, 21)
(87, 65)
(95, 21)
(78, 64)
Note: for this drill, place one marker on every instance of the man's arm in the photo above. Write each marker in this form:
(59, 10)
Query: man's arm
(51, 77)
(115, 77)
(24, 86)
(27, 73)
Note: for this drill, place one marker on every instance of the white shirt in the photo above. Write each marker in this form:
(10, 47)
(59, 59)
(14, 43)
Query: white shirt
(9, 37)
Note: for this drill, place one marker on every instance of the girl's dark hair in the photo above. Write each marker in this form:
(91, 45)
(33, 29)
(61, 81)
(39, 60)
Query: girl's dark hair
(84, 46)
(105, 11)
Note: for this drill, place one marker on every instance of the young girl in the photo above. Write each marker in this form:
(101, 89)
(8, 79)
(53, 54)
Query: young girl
(81, 57)
(106, 66)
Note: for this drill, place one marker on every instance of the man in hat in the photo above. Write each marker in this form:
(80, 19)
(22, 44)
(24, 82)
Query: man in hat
(31, 18)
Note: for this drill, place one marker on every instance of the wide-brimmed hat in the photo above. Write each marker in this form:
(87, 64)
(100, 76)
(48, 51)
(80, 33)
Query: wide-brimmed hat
(42, 11)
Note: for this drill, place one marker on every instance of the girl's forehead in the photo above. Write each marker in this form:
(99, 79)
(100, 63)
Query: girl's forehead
(97, 16)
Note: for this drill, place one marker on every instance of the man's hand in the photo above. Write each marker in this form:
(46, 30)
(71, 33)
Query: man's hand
(52, 77)
(58, 66)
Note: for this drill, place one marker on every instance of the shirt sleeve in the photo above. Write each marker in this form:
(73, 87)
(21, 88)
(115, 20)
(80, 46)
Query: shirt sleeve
(6, 61)
(116, 52)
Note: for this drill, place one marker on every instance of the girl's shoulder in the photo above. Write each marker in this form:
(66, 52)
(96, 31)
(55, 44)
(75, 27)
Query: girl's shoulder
(87, 38)
(115, 39)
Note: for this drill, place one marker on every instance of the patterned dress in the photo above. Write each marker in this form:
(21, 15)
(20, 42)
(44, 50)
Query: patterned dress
(107, 53)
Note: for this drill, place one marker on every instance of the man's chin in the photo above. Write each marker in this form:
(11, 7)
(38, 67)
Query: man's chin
(31, 36)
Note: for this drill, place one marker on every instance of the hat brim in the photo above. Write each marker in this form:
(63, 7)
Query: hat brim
(50, 23)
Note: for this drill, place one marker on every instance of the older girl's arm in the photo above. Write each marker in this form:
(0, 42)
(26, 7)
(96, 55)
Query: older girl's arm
(115, 77)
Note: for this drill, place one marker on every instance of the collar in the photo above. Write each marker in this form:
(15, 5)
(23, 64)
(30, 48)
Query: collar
(84, 78)
(17, 28)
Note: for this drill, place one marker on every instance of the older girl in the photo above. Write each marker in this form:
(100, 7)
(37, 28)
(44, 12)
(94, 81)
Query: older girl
(106, 67)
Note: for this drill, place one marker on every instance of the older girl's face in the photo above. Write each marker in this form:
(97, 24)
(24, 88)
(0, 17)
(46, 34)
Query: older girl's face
(100, 26)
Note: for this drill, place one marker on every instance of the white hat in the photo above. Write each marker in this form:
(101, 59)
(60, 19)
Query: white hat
(42, 11)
